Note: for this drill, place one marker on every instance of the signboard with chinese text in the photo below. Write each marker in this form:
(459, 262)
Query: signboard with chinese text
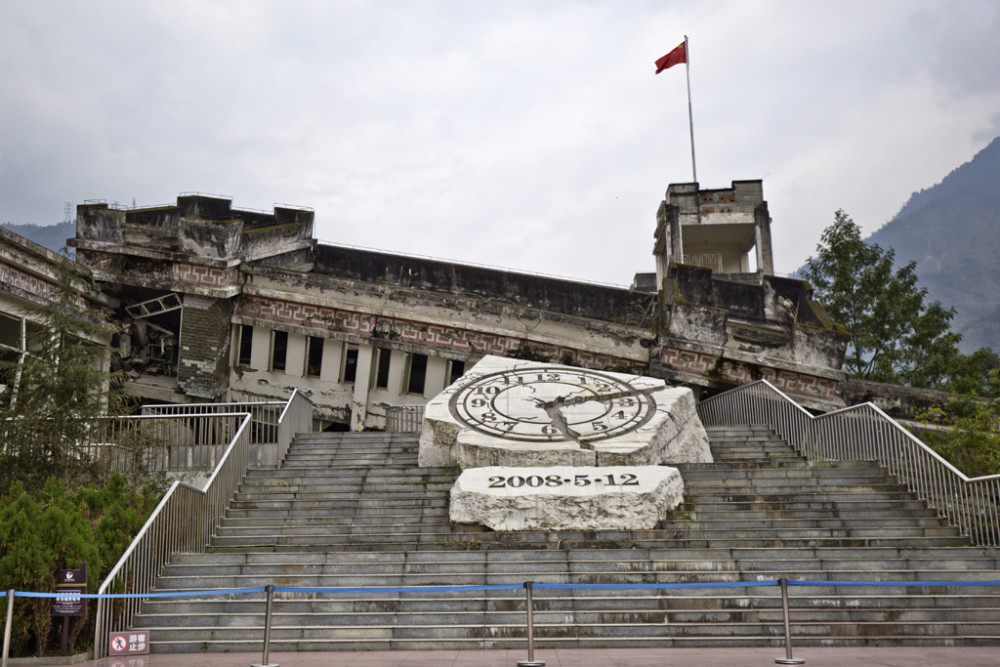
(132, 642)
(70, 584)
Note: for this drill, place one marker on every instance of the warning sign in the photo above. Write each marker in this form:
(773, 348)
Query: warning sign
(70, 584)
(135, 642)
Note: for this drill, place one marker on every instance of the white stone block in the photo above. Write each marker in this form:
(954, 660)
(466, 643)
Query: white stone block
(566, 498)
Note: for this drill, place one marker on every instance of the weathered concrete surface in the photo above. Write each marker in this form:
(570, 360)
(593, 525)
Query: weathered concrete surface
(566, 498)
(507, 412)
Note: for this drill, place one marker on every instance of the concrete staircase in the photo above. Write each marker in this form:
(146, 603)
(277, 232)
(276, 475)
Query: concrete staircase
(354, 510)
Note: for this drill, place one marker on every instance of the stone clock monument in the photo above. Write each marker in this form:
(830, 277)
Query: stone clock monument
(507, 412)
(545, 446)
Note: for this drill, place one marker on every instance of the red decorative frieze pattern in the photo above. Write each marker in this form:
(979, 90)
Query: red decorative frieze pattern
(436, 336)
(688, 361)
(97, 261)
(797, 384)
(38, 287)
(27, 282)
(794, 384)
(203, 275)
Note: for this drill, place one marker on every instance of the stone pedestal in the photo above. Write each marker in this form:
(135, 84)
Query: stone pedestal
(566, 498)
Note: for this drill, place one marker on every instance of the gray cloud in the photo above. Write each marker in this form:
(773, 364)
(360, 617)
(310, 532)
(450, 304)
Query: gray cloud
(515, 134)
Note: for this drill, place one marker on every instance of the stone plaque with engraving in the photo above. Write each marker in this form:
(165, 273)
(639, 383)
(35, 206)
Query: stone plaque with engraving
(566, 497)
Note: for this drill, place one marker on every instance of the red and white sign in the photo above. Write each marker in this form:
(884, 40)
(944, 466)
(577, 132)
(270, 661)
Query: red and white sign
(135, 642)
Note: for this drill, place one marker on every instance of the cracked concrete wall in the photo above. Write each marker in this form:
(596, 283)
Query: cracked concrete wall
(203, 364)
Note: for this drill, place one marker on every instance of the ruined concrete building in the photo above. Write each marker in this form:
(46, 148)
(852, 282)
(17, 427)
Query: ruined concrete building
(216, 302)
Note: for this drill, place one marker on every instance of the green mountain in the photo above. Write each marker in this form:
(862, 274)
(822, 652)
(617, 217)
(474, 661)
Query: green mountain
(52, 237)
(952, 231)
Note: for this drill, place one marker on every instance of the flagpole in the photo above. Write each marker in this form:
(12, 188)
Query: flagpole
(687, 70)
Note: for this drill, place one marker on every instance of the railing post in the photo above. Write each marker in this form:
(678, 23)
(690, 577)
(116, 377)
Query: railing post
(7, 625)
(788, 659)
(529, 606)
(267, 629)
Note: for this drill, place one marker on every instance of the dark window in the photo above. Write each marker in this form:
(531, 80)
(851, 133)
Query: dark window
(382, 374)
(279, 349)
(350, 364)
(456, 369)
(246, 344)
(314, 356)
(10, 332)
(418, 373)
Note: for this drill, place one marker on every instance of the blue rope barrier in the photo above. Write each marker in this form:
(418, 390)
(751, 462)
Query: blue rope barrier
(133, 596)
(397, 589)
(821, 582)
(498, 587)
(707, 584)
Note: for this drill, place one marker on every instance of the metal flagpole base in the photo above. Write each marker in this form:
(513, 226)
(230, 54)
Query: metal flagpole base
(530, 663)
(790, 661)
(270, 664)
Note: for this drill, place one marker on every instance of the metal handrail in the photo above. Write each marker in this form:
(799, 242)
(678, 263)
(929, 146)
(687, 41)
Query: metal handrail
(866, 433)
(264, 414)
(404, 418)
(184, 522)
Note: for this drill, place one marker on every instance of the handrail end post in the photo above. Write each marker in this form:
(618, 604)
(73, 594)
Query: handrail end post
(269, 589)
(788, 659)
(529, 607)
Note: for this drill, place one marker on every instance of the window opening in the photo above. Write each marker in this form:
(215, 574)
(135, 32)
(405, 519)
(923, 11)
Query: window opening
(350, 369)
(314, 356)
(456, 369)
(382, 372)
(279, 350)
(246, 345)
(417, 374)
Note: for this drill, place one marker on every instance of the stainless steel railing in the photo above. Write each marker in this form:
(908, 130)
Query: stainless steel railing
(184, 521)
(866, 433)
(173, 443)
(264, 415)
(404, 418)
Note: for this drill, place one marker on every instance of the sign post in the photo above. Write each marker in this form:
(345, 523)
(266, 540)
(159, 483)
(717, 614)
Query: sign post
(70, 585)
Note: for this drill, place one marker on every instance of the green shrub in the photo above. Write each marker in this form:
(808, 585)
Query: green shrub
(59, 528)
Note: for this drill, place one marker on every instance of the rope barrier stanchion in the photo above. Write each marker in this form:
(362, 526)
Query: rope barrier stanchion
(788, 659)
(267, 629)
(7, 625)
(529, 606)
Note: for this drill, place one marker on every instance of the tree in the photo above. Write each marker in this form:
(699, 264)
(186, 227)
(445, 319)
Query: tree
(54, 393)
(894, 336)
(973, 443)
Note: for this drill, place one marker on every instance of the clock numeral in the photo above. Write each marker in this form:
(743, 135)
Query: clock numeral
(489, 390)
(489, 416)
(626, 402)
(477, 402)
(549, 429)
(619, 415)
(549, 377)
(599, 426)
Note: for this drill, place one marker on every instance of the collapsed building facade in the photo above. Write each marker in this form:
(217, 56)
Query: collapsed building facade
(218, 303)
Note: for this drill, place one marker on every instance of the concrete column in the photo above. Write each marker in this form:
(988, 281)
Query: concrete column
(437, 376)
(765, 259)
(359, 404)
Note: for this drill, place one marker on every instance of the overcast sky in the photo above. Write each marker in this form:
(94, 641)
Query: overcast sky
(528, 135)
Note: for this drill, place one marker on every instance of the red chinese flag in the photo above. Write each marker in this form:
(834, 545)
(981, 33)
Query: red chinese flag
(675, 57)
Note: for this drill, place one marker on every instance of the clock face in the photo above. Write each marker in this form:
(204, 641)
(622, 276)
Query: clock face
(545, 404)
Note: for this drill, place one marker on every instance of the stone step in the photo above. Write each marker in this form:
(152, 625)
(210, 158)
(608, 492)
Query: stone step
(463, 542)
(346, 515)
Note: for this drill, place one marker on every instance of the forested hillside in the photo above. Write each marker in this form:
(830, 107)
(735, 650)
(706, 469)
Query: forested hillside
(52, 237)
(952, 231)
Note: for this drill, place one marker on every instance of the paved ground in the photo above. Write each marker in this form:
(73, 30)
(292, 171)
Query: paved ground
(712, 657)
